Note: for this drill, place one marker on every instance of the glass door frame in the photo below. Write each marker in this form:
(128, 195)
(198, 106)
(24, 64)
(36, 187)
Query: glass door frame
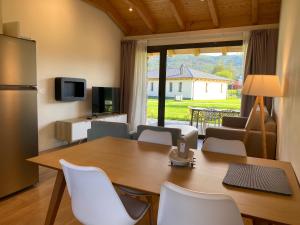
(162, 50)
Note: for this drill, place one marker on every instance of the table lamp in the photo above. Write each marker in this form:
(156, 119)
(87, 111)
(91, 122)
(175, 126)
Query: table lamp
(260, 86)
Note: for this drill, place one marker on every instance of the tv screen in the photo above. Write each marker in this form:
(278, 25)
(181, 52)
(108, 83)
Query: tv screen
(105, 99)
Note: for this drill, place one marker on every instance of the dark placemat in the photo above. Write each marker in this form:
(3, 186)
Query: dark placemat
(259, 178)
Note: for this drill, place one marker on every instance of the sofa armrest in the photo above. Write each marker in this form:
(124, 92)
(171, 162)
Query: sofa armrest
(192, 139)
(234, 122)
(225, 133)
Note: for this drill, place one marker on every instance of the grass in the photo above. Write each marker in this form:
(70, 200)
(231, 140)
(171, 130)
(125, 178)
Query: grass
(178, 110)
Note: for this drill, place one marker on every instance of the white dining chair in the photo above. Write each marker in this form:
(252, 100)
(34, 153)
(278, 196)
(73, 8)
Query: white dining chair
(156, 137)
(178, 206)
(94, 199)
(231, 147)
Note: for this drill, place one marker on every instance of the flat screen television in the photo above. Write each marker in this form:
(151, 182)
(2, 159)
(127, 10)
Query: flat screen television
(105, 100)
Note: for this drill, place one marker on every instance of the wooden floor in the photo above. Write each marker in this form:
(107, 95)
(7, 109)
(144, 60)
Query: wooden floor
(29, 207)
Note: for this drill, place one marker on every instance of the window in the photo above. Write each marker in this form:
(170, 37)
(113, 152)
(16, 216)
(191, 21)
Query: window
(168, 67)
(180, 87)
(152, 86)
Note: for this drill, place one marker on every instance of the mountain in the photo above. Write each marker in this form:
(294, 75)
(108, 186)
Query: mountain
(205, 63)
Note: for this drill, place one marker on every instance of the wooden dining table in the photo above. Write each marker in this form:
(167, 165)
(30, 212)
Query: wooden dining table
(145, 166)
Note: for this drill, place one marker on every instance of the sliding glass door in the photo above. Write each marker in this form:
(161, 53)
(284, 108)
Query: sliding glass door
(194, 84)
(156, 78)
(153, 88)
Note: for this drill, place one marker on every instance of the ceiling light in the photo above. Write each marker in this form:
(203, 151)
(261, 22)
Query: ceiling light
(130, 9)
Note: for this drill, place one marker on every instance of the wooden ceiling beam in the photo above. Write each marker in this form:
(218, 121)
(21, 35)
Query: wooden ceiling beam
(213, 12)
(178, 12)
(109, 9)
(254, 7)
(143, 12)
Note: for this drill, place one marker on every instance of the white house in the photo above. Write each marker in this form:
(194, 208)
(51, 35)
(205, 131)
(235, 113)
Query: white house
(188, 83)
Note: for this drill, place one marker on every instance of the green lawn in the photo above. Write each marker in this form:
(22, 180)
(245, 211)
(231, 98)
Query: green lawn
(178, 110)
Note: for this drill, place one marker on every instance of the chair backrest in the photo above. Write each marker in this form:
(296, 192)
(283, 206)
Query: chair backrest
(231, 147)
(179, 206)
(94, 199)
(157, 137)
(175, 132)
(104, 128)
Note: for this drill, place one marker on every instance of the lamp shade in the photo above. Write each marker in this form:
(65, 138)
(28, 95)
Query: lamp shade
(262, 85)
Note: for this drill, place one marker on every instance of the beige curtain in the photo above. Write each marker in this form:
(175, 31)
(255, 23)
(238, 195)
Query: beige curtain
(138, 114)
(260, 59)
(128, 49)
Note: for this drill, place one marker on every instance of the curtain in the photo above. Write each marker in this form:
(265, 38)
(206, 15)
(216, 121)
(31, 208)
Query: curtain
(139, 95)
(128, 50)
(246, 37)
(260, 59)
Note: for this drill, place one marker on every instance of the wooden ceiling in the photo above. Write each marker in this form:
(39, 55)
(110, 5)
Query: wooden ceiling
(141, 17)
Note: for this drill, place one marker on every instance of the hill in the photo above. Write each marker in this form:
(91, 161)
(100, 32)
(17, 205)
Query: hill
(208, 63)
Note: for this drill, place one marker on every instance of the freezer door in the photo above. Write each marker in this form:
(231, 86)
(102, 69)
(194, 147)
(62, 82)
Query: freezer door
(17, 61)
(18, 140)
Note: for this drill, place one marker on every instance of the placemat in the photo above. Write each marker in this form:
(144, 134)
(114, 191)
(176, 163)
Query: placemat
(261, 178)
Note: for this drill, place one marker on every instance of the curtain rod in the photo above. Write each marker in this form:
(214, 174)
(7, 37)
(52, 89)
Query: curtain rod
(186, 34)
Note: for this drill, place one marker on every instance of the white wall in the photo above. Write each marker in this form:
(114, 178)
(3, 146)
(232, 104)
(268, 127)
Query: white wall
(195, 90)
(152, 92)
(186, 90)
(73, 39)
(288, 68)
(212, 92)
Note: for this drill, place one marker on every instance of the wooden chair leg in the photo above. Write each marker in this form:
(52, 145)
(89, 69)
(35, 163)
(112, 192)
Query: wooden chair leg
(151, 210)
(58, 191)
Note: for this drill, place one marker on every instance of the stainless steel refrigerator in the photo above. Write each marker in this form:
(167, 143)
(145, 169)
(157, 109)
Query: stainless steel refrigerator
(18, 114)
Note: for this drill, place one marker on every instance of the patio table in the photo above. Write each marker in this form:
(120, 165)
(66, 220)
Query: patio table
(206, 115)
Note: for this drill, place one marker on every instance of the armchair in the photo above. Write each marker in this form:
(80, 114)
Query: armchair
(233, 128)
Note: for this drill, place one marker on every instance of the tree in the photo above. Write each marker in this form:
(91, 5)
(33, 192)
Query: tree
(226, 73)
(218, 68)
